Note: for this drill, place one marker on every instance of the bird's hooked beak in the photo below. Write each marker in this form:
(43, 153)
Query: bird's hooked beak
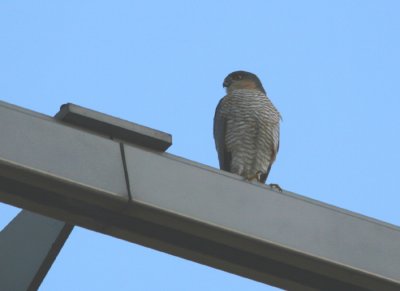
(227, 83)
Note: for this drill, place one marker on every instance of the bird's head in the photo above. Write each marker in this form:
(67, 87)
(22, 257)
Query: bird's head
(242, 80)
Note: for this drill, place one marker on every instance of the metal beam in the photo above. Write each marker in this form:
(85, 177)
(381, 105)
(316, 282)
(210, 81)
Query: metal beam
(29, 244)
(191, 210)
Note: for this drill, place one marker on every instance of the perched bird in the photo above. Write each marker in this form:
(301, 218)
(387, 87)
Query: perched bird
(246, 128)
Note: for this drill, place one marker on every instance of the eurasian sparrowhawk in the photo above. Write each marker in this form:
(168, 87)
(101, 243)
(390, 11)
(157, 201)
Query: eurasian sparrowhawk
(246, 128)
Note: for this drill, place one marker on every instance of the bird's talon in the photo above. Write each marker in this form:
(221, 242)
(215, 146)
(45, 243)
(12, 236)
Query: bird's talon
(251, 178)
(257, 176)
(275, 187)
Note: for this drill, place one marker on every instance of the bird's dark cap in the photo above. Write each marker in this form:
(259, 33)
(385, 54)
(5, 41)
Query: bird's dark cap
(242, 75)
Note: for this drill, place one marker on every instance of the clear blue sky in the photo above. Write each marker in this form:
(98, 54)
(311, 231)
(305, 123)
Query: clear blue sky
(330, 67)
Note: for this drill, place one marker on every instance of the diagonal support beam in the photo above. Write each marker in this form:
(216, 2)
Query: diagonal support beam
(77, 174)
(29, 245)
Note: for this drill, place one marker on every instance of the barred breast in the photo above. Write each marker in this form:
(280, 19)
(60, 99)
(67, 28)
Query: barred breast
(252, 131)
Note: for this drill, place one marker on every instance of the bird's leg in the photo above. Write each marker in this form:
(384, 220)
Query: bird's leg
(257, 176)
(275, 187)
